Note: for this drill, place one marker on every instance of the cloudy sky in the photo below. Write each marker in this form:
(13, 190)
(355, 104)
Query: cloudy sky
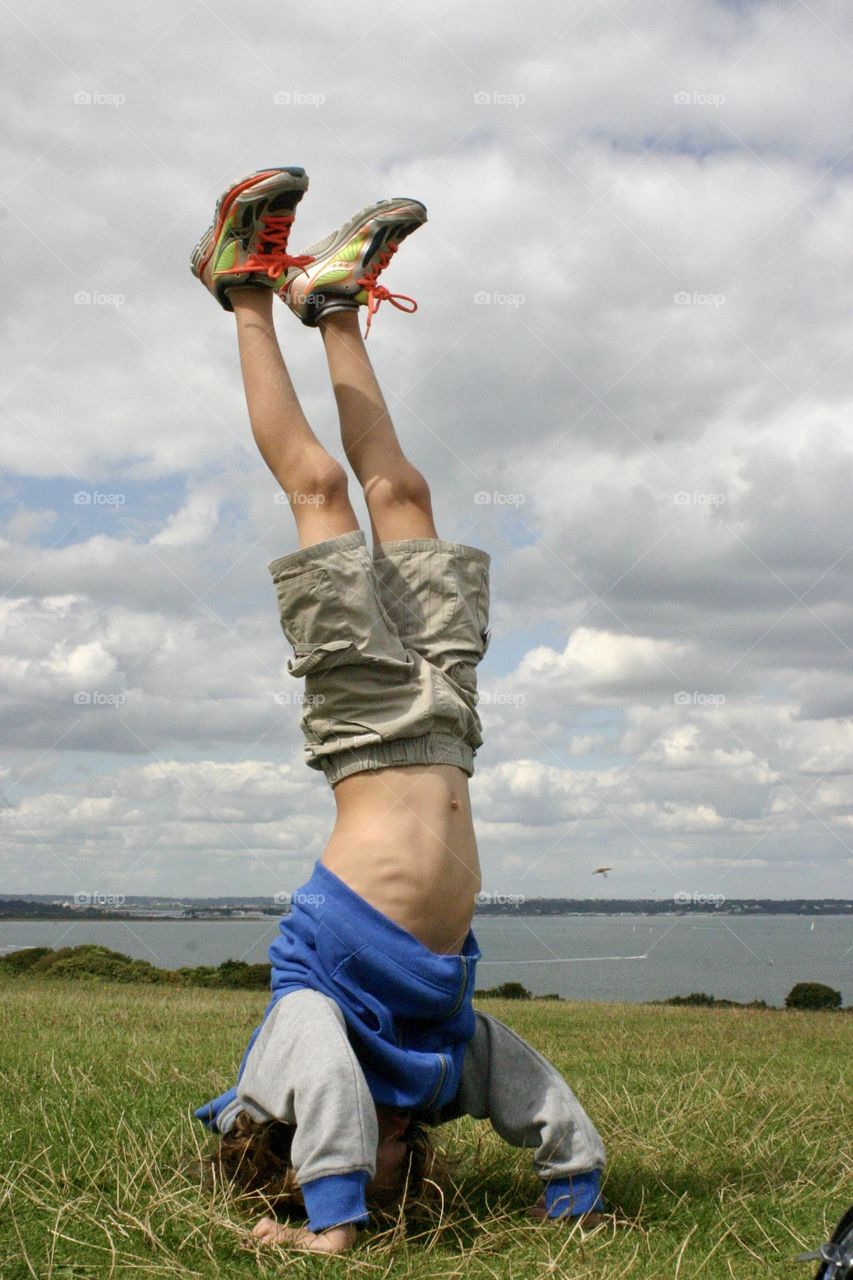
(634, 340)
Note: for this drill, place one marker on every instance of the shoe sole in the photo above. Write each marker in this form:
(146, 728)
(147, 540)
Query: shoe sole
(339, 237)
(269, 180)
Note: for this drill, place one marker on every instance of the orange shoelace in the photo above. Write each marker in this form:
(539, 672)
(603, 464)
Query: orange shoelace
(275, 260)
(377, 293)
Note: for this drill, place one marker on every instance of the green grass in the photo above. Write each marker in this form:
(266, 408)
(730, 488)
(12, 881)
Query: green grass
(724, 1130)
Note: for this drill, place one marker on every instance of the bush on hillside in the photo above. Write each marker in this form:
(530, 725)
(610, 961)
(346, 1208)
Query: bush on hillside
(699, 1000)
(506, 991)
(812, 995)
(22, 961)
(92, 961)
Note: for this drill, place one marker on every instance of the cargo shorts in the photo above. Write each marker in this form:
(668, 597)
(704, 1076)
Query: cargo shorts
(388, 644)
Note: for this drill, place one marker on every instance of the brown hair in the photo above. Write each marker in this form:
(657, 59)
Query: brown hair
(254, 1158)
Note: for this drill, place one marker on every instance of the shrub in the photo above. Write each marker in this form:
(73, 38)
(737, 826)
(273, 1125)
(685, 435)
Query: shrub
(699, 1000)
(506, 991)
(812, 995)
(238, 974)
(21, 961)
(92, 961)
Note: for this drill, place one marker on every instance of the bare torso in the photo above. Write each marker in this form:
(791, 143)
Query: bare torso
(404, 840)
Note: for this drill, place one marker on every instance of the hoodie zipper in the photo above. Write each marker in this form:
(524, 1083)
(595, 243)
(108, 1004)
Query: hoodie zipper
(442, 1076)
(462, 990)
(442, 1058)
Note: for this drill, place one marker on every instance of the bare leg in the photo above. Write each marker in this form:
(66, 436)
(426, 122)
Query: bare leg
(314, 481)
(397, 495)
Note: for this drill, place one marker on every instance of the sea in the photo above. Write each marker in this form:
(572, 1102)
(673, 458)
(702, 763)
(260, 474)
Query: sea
(631, 958)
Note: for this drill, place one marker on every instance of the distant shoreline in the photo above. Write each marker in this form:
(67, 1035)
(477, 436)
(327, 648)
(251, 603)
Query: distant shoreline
(178, 911)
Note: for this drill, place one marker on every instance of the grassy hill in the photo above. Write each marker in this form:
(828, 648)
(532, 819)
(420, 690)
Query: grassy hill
(724, 1130)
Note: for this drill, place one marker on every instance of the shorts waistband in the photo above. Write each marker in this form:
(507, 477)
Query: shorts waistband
(430, 748)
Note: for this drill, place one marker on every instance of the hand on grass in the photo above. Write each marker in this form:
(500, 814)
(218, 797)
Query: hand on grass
(332, 1240)
(587, 1220)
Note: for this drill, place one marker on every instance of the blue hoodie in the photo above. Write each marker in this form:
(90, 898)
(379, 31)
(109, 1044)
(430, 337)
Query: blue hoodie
(408, 1010)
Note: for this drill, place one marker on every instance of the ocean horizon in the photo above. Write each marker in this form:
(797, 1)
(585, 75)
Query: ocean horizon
(631, 958)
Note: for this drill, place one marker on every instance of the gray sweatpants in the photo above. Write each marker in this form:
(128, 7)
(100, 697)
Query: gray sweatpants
(302, 1070)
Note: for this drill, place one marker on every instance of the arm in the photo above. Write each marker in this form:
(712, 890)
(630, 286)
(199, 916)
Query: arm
(302, 1070)
(528, 1102)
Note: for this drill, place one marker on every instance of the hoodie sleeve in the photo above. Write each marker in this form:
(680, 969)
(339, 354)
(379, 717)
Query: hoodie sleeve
(505, 1081)
(302, 1070)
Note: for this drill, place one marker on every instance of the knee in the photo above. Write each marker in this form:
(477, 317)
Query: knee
(406, 487)
(324, 482)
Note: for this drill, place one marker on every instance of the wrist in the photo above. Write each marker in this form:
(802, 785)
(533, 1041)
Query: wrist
(577, 1193)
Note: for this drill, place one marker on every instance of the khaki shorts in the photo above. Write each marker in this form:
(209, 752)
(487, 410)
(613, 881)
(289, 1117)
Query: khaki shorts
(388, 645)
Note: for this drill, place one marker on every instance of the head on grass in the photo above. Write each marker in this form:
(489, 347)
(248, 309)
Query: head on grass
(254, 1157)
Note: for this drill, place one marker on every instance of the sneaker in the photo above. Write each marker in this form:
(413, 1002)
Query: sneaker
(247, 243)
(345, 266)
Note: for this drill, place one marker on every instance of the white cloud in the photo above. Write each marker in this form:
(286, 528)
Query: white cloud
(195, 522)
(657, 397)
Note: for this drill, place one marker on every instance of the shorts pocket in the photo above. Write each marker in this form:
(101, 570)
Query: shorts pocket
(320, 657)
(310, 610)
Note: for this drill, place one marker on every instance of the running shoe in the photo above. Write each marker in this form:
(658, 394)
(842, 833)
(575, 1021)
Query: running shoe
(247, 242)
(345, 266)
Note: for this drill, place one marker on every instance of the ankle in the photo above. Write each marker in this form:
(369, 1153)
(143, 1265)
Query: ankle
(340, 322)
(254, 298)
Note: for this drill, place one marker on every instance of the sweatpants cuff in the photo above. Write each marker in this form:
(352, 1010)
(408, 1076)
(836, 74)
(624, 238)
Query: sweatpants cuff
(336, 1199)
(568, 1197)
